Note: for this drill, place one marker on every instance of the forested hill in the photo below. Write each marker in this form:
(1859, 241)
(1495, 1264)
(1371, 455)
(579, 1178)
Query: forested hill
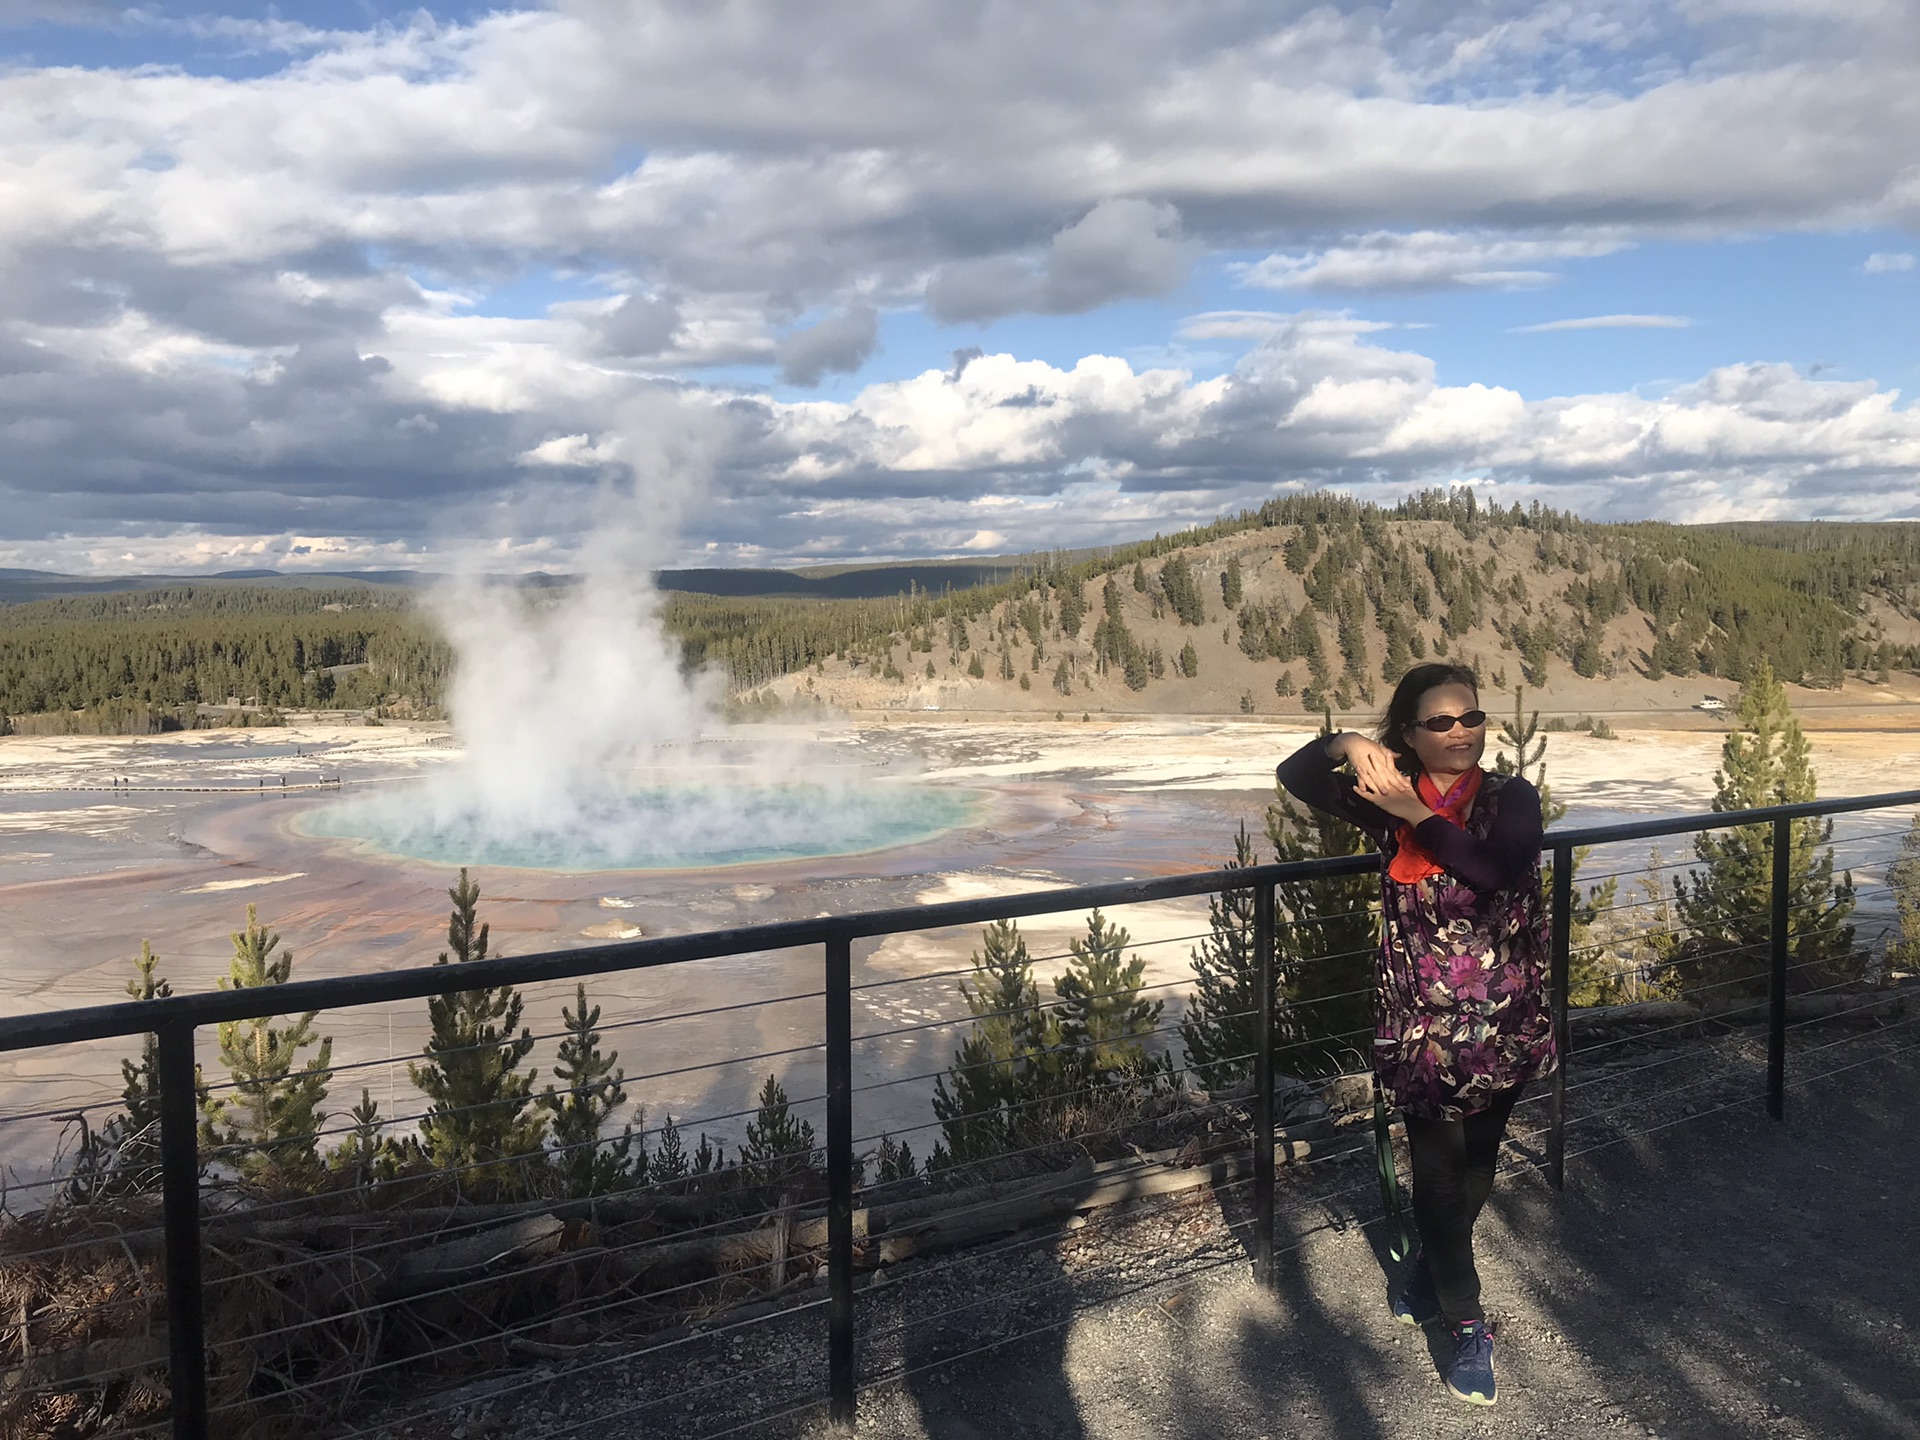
(1309, 600)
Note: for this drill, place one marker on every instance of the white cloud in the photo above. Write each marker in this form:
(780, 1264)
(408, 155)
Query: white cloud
(256, 302)
(1888, 262)
(1266, 324)
(837, 345)
(1119, 250)
(1606, 322)
(1426, 260)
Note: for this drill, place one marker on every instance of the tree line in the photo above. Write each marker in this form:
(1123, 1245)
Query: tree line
(1379, 595)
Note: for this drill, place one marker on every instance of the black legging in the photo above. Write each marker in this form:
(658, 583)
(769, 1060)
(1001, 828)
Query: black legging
(1453, 1162)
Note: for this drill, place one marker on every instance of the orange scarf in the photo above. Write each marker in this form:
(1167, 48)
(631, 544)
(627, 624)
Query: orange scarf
(1411, 863)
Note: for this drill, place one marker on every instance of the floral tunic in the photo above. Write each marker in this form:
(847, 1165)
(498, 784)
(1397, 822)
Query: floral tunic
(1461, 985)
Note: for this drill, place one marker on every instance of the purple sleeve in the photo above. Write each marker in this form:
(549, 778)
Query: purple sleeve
(1311, 776)
(1502, 860)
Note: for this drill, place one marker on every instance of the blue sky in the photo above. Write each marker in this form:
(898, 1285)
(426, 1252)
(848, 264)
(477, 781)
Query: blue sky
(354, 283)
(1803, 299)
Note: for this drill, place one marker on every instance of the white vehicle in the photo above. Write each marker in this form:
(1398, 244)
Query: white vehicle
(1712, 702)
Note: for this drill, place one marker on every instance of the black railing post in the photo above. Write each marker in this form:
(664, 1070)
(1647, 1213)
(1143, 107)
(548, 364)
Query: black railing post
(1777, 978)
(180, 1198)
(1562, 1043)
(839, 989)
(1263, 1086)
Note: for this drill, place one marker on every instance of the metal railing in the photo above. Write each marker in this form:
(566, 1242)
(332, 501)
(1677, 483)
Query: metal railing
(175, 1020)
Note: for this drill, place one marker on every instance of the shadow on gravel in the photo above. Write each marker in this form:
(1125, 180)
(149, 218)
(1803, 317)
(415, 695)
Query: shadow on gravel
(1296, 1360)
(973, 1398)
(1732, 1275)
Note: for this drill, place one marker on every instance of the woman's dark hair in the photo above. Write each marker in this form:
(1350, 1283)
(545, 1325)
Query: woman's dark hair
(1403, 710)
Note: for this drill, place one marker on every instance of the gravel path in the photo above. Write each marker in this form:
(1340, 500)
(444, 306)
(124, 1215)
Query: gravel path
(1706, 1273)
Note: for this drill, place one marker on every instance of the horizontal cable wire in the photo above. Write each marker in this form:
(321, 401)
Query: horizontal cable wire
(1066, 1096)
(579, 1370)
(1146, 1207)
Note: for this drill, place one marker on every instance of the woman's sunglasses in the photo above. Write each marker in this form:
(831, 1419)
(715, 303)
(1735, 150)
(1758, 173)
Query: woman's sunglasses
(1441, 724)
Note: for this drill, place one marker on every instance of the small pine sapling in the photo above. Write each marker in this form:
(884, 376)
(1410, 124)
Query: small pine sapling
(267, 1125)
(894, 1162)
(123, 1156)
(779, 1144)
(1903, 880)
(589, 1093)
(1221, 1027)
(669, 1162)
(1103, 1020)
(366, 1157)
(482, 1125)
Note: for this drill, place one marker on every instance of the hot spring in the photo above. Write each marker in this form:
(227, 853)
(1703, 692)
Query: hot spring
(696, 824)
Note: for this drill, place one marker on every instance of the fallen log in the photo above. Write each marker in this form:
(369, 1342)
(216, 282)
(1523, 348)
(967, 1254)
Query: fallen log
(954, 1224)
(1642, 1013)
(1861, 1005)
(1149, 1180)
(1741, 1010)
(1082, 1188)
(472, 1257)
(720, 1254)
(103, 1360)
(602, 1211)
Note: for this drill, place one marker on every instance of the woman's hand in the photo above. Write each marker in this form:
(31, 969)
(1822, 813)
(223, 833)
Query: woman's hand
(1394, 793)
(1371, 760)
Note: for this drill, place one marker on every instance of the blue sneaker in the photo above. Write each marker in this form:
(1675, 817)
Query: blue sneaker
(1470, 1371)
(1417, 1303)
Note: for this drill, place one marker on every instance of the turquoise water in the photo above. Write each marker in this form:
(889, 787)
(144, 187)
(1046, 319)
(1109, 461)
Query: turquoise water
(694, 826)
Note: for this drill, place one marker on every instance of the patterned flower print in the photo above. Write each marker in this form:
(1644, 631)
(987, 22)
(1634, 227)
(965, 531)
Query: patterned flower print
(1462, 986)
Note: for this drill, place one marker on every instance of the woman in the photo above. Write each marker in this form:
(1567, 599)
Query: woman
(1462, 1021)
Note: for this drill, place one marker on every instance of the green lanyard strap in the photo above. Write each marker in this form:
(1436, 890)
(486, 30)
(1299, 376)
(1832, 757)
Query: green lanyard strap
(1399, 1246)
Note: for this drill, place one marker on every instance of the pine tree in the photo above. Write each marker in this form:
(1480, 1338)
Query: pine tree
(1009, 1064)
(1182, 590)
(268, 1125)
(137, 1157)
(1903, 880)
(1726, 903)
(1399, 658)
(710, 1160)
(1590, 980)
(669, 1160)
(367, 1156)
(779, 1146)
(1587, 659)
(1073, 608)
(482, 1113)
(1221, 1027)
(1232, 583)
(1326, 938)
(1300, 548)
(590, 1091)
(1103, 1020)
(124, 1154)
(894, 1162)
